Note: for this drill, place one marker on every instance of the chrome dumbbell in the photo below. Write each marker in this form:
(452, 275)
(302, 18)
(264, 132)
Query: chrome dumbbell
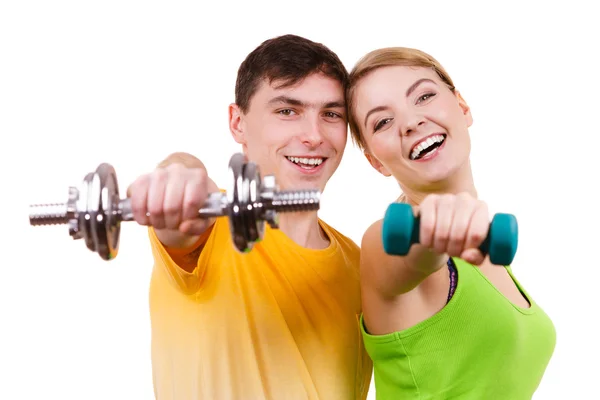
(94, 211)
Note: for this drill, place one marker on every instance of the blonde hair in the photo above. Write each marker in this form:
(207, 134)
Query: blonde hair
(386, 57)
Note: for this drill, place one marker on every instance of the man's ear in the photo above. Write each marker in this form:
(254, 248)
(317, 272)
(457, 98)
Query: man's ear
(236, 124)
(376, 164)
(465, 108)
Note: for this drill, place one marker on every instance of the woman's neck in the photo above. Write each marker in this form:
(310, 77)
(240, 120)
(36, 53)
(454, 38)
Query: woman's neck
(461, 182)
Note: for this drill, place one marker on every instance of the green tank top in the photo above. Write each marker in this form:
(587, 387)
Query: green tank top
(479, 346)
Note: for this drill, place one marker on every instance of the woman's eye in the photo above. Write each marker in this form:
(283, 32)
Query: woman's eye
(381, 123)
(424, 97)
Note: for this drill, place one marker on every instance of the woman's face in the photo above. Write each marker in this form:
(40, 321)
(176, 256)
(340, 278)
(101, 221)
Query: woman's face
(414, 127)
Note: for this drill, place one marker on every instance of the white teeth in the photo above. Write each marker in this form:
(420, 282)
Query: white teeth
(425, 144)
(306, 161)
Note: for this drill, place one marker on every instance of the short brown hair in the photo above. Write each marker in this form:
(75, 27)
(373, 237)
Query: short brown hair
(289, 59)
(386, 57)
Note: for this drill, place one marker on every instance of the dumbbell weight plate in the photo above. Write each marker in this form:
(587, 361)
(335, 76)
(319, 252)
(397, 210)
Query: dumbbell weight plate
(235, 197)
(398, 229)
(259, 210)
(107, 219)
(503, 239)
(98, 219)
(84, 206)
(253, 224)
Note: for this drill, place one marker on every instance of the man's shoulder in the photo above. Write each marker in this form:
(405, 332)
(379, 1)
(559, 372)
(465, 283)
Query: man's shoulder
(342, 239)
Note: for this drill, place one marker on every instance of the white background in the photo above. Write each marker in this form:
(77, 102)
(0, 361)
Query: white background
(128, 82)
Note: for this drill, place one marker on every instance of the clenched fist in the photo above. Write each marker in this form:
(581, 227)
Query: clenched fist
(170, 197)
(455, 225)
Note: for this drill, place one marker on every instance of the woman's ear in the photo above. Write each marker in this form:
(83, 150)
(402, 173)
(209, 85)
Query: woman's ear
(465, 108)
(375, 163)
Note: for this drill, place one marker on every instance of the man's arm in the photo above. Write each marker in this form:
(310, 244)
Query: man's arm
(168, 200)
(184, 237)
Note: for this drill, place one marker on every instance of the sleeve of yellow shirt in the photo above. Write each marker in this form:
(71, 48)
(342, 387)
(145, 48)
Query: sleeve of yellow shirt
(175, 263)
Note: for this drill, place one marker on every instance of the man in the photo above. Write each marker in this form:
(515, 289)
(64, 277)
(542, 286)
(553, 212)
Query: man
(280, 322)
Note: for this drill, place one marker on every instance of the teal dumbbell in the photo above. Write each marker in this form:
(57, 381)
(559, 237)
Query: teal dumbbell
(401, 230)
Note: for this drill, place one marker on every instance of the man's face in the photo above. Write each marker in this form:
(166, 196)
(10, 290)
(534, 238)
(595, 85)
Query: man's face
(297, 133)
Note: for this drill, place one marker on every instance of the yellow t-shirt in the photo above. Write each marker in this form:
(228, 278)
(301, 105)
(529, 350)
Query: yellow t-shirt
(280, 322)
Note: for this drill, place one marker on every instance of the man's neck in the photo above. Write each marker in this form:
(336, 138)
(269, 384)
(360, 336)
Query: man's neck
(304, 229)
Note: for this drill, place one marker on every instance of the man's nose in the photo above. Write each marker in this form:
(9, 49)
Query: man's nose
(312, 133)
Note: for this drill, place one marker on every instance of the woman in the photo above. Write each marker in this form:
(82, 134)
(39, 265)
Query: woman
(441, 322)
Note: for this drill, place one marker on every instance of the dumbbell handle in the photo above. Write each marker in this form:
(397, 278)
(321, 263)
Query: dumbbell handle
(215, 206)
(401, 229)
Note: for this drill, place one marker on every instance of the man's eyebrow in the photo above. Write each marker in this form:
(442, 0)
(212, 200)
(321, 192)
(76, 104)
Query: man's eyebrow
(335, 104)
(295, 102)
(286, 100)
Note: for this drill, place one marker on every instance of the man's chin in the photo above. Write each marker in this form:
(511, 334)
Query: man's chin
(302, 184)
